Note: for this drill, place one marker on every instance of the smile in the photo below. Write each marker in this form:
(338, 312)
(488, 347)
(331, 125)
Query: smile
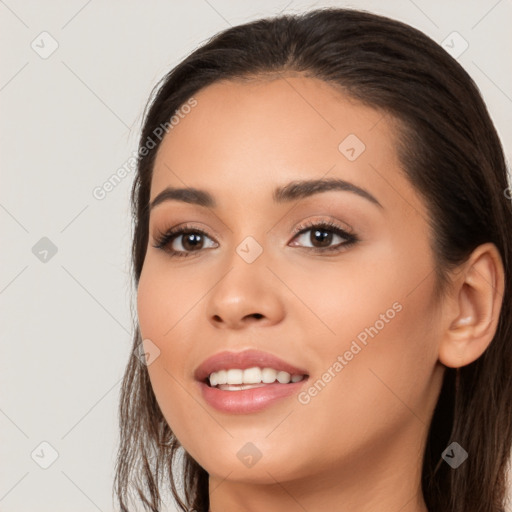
(248, 381)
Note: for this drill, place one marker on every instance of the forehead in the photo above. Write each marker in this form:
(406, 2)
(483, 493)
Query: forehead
(242, 134)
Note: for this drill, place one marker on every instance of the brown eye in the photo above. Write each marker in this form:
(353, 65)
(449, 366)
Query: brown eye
(322, 236)
(191, 241)
(182, 242)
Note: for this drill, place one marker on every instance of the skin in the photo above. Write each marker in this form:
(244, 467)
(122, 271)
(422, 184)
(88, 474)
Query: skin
(358, 444)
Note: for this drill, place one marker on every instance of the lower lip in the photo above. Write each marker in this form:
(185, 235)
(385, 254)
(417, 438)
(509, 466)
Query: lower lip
(248, 400)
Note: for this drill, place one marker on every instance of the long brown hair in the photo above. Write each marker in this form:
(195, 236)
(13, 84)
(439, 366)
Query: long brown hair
(450, 152)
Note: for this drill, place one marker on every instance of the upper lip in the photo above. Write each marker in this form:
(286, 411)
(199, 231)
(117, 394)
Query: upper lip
(243, 360)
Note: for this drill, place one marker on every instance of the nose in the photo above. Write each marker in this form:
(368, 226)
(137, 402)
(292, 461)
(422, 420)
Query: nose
(247, 294)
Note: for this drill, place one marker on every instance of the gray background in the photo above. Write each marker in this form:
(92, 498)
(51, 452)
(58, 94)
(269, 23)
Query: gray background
(69, 121)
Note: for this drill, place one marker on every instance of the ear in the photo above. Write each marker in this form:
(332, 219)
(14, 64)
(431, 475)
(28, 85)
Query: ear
(471, 317)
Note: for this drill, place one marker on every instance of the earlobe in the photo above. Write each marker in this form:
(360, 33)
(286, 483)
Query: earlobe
(472, 318)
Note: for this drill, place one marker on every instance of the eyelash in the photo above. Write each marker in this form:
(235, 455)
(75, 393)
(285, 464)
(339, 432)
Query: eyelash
(165, 238)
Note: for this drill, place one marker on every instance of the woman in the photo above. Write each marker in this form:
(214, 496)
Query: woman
(322, 256)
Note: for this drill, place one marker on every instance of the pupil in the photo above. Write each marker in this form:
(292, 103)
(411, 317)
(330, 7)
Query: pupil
(322, 236)
(192, 240)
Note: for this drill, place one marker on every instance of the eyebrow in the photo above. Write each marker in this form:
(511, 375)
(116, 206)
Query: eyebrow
(283, 194)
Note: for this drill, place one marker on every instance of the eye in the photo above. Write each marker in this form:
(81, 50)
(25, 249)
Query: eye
(183, 241)
(322, 235)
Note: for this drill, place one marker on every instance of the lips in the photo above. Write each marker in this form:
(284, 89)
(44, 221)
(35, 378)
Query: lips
(242, 400)
(244, 360)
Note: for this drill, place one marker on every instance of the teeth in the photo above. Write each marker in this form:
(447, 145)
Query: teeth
(252, 376)
(235, 376)
(284, 377)
(227, 387)
(220, 377)
(249, 378)
(268, 375)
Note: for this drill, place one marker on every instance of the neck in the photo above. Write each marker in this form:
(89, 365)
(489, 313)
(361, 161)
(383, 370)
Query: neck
(380, 479)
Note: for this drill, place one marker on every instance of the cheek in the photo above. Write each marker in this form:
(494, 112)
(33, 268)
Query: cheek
(357, 297)
(164, 298)
(376, 344)
(167, 305)
(388, 347)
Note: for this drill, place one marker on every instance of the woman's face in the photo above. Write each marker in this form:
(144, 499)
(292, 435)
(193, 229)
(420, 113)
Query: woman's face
(353, 312)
